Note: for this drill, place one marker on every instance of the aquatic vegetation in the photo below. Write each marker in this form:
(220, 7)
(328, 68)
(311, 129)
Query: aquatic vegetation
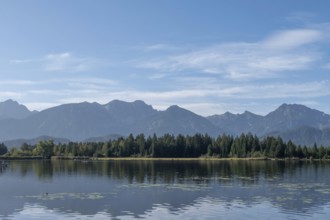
(185, 187)
(65, 195)
(323, 191)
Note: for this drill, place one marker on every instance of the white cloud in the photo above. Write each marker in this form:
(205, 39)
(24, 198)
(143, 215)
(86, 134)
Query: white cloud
(210, 97)
(282, 90)
(10, 95)
(281, 52)
(24, 61)
(291, 39)
(208, 101)
(17, 82)
(157, 47)
(66, 62)
(62, 62)
(157, 76)
(281, 63)
(90, 83)
(225, 85)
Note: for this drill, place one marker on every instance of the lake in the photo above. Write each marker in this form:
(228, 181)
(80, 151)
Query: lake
(165, 190)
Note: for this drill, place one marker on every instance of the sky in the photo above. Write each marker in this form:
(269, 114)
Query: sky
(208, 56)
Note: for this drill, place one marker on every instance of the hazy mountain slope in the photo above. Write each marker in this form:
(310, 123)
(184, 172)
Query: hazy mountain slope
(292, 116)
(129, 112)
(19, 142)
(73, 121)
(176, 120)
(84, 120)
(237, 123)
(81, 121)
(285, 117)
(305, 135)
(12, 109)
(103, 138)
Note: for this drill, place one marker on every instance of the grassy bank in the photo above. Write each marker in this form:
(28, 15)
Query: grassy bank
(168, 159)
(129, 158)
(21, 158)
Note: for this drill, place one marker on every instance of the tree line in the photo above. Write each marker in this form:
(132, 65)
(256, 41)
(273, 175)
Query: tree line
(171, 146)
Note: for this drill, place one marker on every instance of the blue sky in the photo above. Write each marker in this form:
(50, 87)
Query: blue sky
(207, 56)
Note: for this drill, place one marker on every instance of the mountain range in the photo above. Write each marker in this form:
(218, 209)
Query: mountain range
(93, 121)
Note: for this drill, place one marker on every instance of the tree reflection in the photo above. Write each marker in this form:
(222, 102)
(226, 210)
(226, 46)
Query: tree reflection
(136, 186)
(172, 171)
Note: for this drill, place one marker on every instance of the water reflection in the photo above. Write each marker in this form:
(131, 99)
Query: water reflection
(143, 188)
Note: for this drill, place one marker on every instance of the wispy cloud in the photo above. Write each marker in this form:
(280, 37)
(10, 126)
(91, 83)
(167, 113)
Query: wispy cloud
(301, 17)
(212, 100)
(281, 90)
(17, 82)
(6, 94)
(256, 92)
(61, 62)
(67, 62)
(209, 98)
(23, 61)
(287, 50)
(90, 83)
(157, 76)
(157, 47)
(206, 80)
(290, 39)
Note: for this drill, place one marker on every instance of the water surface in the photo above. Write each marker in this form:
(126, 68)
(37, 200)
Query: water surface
(165, 190)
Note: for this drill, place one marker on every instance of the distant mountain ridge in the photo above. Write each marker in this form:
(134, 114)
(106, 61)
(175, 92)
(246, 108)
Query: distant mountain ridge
(294, 122)
(285, 117)
(33, 141)
(94, 121)
(80, 121)
(293, 116)
(237, 123)
(306, 135)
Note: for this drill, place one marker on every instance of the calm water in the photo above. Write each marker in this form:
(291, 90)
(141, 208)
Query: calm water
(165, 190)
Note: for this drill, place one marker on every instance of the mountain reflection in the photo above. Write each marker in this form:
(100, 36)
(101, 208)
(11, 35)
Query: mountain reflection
(137, 186)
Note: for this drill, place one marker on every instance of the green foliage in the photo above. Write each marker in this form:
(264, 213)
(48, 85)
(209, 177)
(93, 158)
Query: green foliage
(198, 145)
(3, 149)
(44, 149)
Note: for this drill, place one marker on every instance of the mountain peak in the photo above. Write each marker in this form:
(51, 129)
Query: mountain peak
(78, 121)
(292, 107)
(129, 111)
(288, 116)
(248, 113)
(12, 109)
(174, 108)
(10, 101)
(139, 102)
(115, 103)
(294, 111)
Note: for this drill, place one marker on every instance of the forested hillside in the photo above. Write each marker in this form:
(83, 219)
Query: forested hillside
(170, 146)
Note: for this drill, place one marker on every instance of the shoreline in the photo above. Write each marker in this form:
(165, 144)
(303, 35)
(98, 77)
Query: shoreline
(6, 158)
(204, 159)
